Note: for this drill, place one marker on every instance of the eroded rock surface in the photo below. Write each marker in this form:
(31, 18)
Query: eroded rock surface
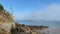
(6, 22)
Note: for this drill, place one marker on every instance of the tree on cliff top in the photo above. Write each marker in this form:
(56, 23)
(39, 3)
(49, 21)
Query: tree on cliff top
(1, 7)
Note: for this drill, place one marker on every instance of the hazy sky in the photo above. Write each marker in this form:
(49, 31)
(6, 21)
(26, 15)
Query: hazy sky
(34, 9)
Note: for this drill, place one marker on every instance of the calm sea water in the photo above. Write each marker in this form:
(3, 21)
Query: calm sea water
(50, 24)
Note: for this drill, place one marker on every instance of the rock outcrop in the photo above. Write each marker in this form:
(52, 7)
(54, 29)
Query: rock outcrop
(27, 29)
(6, 21)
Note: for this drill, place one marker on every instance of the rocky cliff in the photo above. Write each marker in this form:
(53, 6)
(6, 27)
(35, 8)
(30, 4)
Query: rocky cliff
(6, 21)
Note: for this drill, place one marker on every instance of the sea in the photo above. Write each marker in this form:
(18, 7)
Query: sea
(41, 23)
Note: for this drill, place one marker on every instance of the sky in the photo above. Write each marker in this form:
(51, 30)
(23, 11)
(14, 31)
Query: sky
(47, 10)
(33, 9)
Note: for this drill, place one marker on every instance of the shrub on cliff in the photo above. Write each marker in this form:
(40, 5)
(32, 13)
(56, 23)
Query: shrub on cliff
(1, 7)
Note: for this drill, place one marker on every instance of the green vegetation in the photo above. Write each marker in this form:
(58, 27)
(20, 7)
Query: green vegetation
(23, 24)
(1, 7)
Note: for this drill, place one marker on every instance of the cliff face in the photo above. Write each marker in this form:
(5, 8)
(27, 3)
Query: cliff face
(6, 22)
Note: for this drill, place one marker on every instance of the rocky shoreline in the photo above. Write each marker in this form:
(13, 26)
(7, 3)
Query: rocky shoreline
(27, 29)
